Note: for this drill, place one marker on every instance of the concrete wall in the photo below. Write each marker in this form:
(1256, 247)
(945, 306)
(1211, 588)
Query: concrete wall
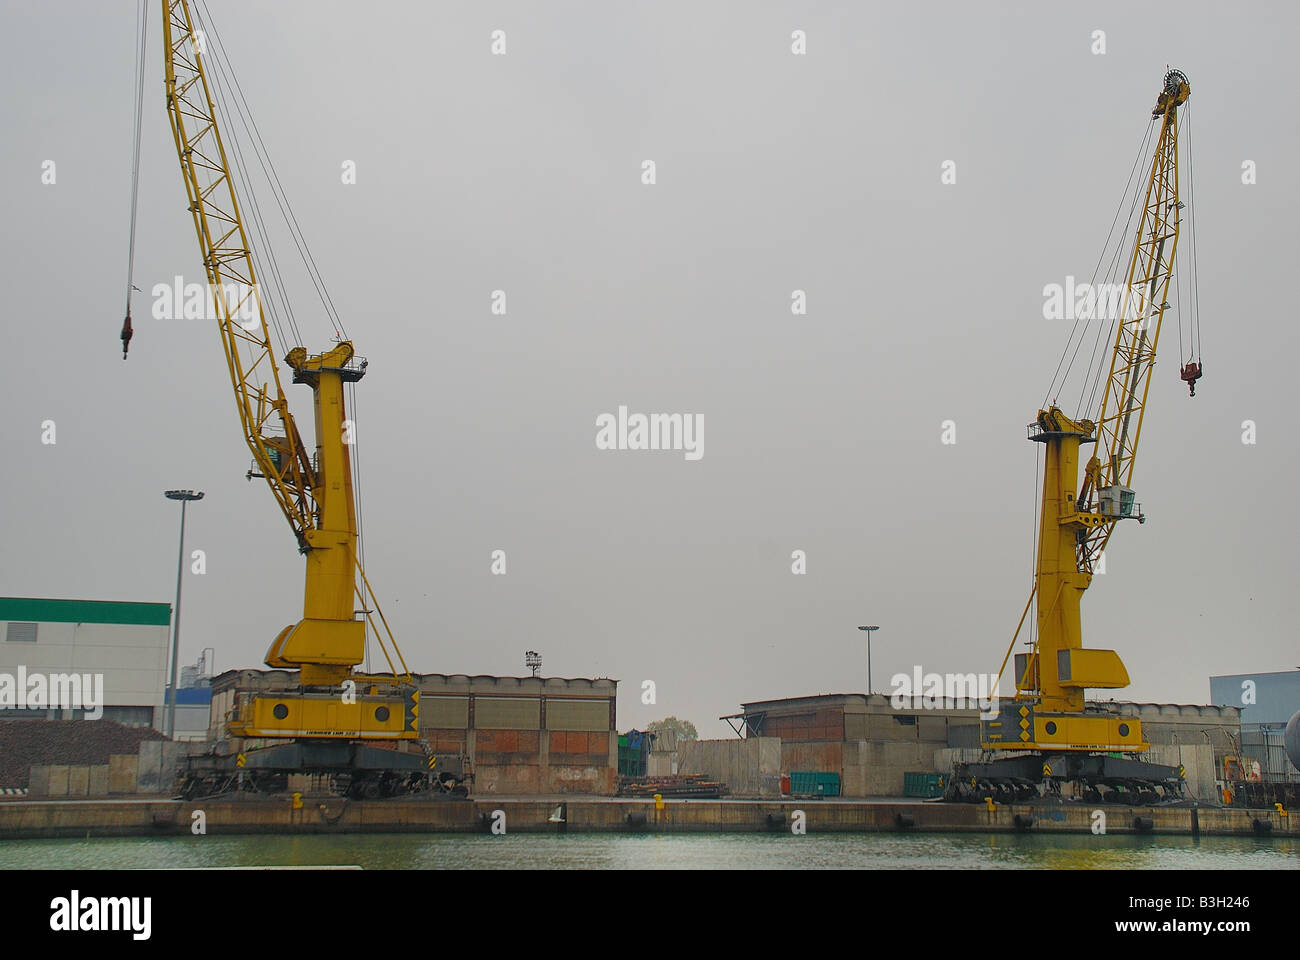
(1197, 760)
(661, 763)
(867, 768)
(122, 771)
(510, 762)
(68, 782)
(152, 772)
(158, 763)
(29, 819)
(752, 767)
(875, 768)
(749, 768)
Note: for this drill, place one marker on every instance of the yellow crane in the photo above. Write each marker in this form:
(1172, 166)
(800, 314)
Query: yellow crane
(1049, 735)
(334, 716)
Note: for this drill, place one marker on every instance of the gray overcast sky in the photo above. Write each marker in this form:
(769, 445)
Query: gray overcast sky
(775, 172)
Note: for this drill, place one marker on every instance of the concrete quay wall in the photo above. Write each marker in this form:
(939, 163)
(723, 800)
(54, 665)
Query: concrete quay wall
(81, 818)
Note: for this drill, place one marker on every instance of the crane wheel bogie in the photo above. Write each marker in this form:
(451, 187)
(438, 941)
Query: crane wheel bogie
(1082, 778)
(354, 770)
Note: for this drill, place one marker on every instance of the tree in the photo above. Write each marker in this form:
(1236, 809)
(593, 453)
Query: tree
(671, 731)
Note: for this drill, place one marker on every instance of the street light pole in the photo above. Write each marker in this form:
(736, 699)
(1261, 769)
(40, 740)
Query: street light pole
(869, 630)
(184, 496)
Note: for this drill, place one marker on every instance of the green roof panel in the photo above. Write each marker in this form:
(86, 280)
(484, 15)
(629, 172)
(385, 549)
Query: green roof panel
(85, 611)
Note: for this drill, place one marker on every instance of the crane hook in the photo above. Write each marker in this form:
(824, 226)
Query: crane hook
(1191, 372)
(127, 333)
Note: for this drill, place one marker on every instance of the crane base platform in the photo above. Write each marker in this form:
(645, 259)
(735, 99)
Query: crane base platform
(347, 768)
(1085, 777)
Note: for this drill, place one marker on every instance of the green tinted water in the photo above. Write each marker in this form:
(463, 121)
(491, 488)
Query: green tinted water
(676, 851)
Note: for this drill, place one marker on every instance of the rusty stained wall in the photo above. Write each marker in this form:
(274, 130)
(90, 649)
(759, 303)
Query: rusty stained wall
(822, 724)
(544, 761)
(826, 756)
(512, 751)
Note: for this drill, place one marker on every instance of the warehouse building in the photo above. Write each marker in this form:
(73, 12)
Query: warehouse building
(1267, 702)
(75, 659)
(871, 747)
(1264, 698)
(522, 735)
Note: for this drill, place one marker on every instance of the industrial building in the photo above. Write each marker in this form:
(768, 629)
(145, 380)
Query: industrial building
(871, 746)
(193, 699)
(117, 652)
(522, 735)
(1267, 702)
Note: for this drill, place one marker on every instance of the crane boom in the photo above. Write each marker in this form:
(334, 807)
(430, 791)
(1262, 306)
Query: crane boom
(1138, 329)
(228, 262)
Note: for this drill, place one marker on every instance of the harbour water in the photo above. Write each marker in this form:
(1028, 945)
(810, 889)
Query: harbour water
(663, 851)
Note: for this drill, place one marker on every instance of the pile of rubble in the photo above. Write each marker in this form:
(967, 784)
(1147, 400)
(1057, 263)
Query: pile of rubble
(24, 743)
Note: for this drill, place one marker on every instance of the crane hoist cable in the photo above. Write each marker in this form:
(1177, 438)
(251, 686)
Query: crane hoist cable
(1057, 377)
(245, 115)
(261, 249)
(1113, 267)
(1192, 370)
(141, 40)
(232, 105)
(1092, 379)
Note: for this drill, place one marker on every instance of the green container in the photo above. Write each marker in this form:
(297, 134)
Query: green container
(927, 785)
(814, 783)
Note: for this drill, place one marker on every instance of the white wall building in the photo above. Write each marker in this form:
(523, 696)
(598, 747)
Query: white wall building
(119, 649)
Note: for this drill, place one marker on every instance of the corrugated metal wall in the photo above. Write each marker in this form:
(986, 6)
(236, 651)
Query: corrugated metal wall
(444, 712)
(577, 714)
(507, 713)
(1267, 747)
